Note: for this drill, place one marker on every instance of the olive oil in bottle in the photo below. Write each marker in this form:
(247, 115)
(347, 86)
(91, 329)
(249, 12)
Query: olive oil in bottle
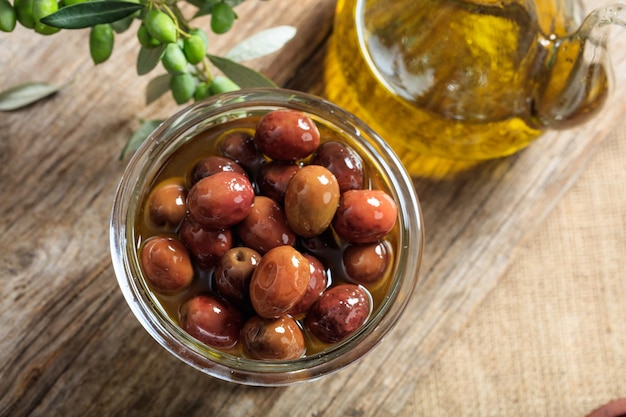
(450, 78)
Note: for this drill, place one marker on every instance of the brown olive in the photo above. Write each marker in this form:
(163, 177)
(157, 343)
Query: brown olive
(279, 281)
(366, 263)
(166, 264)
(311, 200)
(212, 165)
(221, 200)
(233, 274)
(167, 203)
(339, 312)
(317, 285)
(211, 320)
(273, 339)
(365, 216)
(343, 162)
(206, 245)
(265, 227)
(273, 179)
(286, 135)
(324, 246)
(267, 237)
(239, 146)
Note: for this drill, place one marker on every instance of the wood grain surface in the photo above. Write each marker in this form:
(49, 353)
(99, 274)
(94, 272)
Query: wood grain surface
(69, 344)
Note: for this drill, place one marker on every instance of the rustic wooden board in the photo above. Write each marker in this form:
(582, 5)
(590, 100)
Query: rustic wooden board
(69, 344)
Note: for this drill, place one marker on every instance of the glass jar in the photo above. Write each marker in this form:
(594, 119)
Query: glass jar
(186, 125)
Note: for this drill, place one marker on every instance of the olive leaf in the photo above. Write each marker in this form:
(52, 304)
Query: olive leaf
(157, 87)
(241, 75)
(140, 135)
(262, 43)
(206, 7)
(25, 94)
(91, 13)
(148, 59)
(122, 25)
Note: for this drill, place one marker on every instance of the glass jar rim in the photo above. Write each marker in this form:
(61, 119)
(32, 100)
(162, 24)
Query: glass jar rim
(183, 126)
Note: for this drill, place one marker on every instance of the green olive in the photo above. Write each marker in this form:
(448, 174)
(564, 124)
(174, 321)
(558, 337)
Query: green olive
(182, 86)
(222, 18)
(41, 9)
(24, 12)
(8, 17)
(200, 32)
(160, 26)
(222, 84)
(203, 90)
(194, 48)
(145, 39)
(173, 59)
(101, 42)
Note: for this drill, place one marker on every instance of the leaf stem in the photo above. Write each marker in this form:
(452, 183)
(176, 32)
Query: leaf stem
(206, 64)
(175, 17)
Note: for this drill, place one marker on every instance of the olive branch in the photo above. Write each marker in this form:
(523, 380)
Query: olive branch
(165, 35)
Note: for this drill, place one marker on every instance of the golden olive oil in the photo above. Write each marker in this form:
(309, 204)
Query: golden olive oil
(451, 78)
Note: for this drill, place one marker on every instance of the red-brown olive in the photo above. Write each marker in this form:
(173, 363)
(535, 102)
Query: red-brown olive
(206, 245)
(343, 162)
(317, 285)
(286, 135)
(167, 203)
(239, 146)
(166, 264)
(339, 312)
(273, 179)
(211, 320)
(324, 246)
(233, 274)
(265, 227)
(212, 165)
(273, 339)
(366, 263)
(311, 200)
(221, 200)
(279, 281)
(364, 216)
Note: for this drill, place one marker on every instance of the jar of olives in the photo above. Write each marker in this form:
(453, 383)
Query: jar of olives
(266, 237)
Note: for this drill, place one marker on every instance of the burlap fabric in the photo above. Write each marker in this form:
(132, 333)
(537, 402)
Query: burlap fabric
(550, 340)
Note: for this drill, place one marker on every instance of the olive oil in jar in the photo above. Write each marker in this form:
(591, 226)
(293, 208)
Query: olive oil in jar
(177, 169)
(445, 77)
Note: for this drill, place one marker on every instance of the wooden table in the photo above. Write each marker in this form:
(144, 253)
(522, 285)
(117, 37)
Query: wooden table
(69, 344)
